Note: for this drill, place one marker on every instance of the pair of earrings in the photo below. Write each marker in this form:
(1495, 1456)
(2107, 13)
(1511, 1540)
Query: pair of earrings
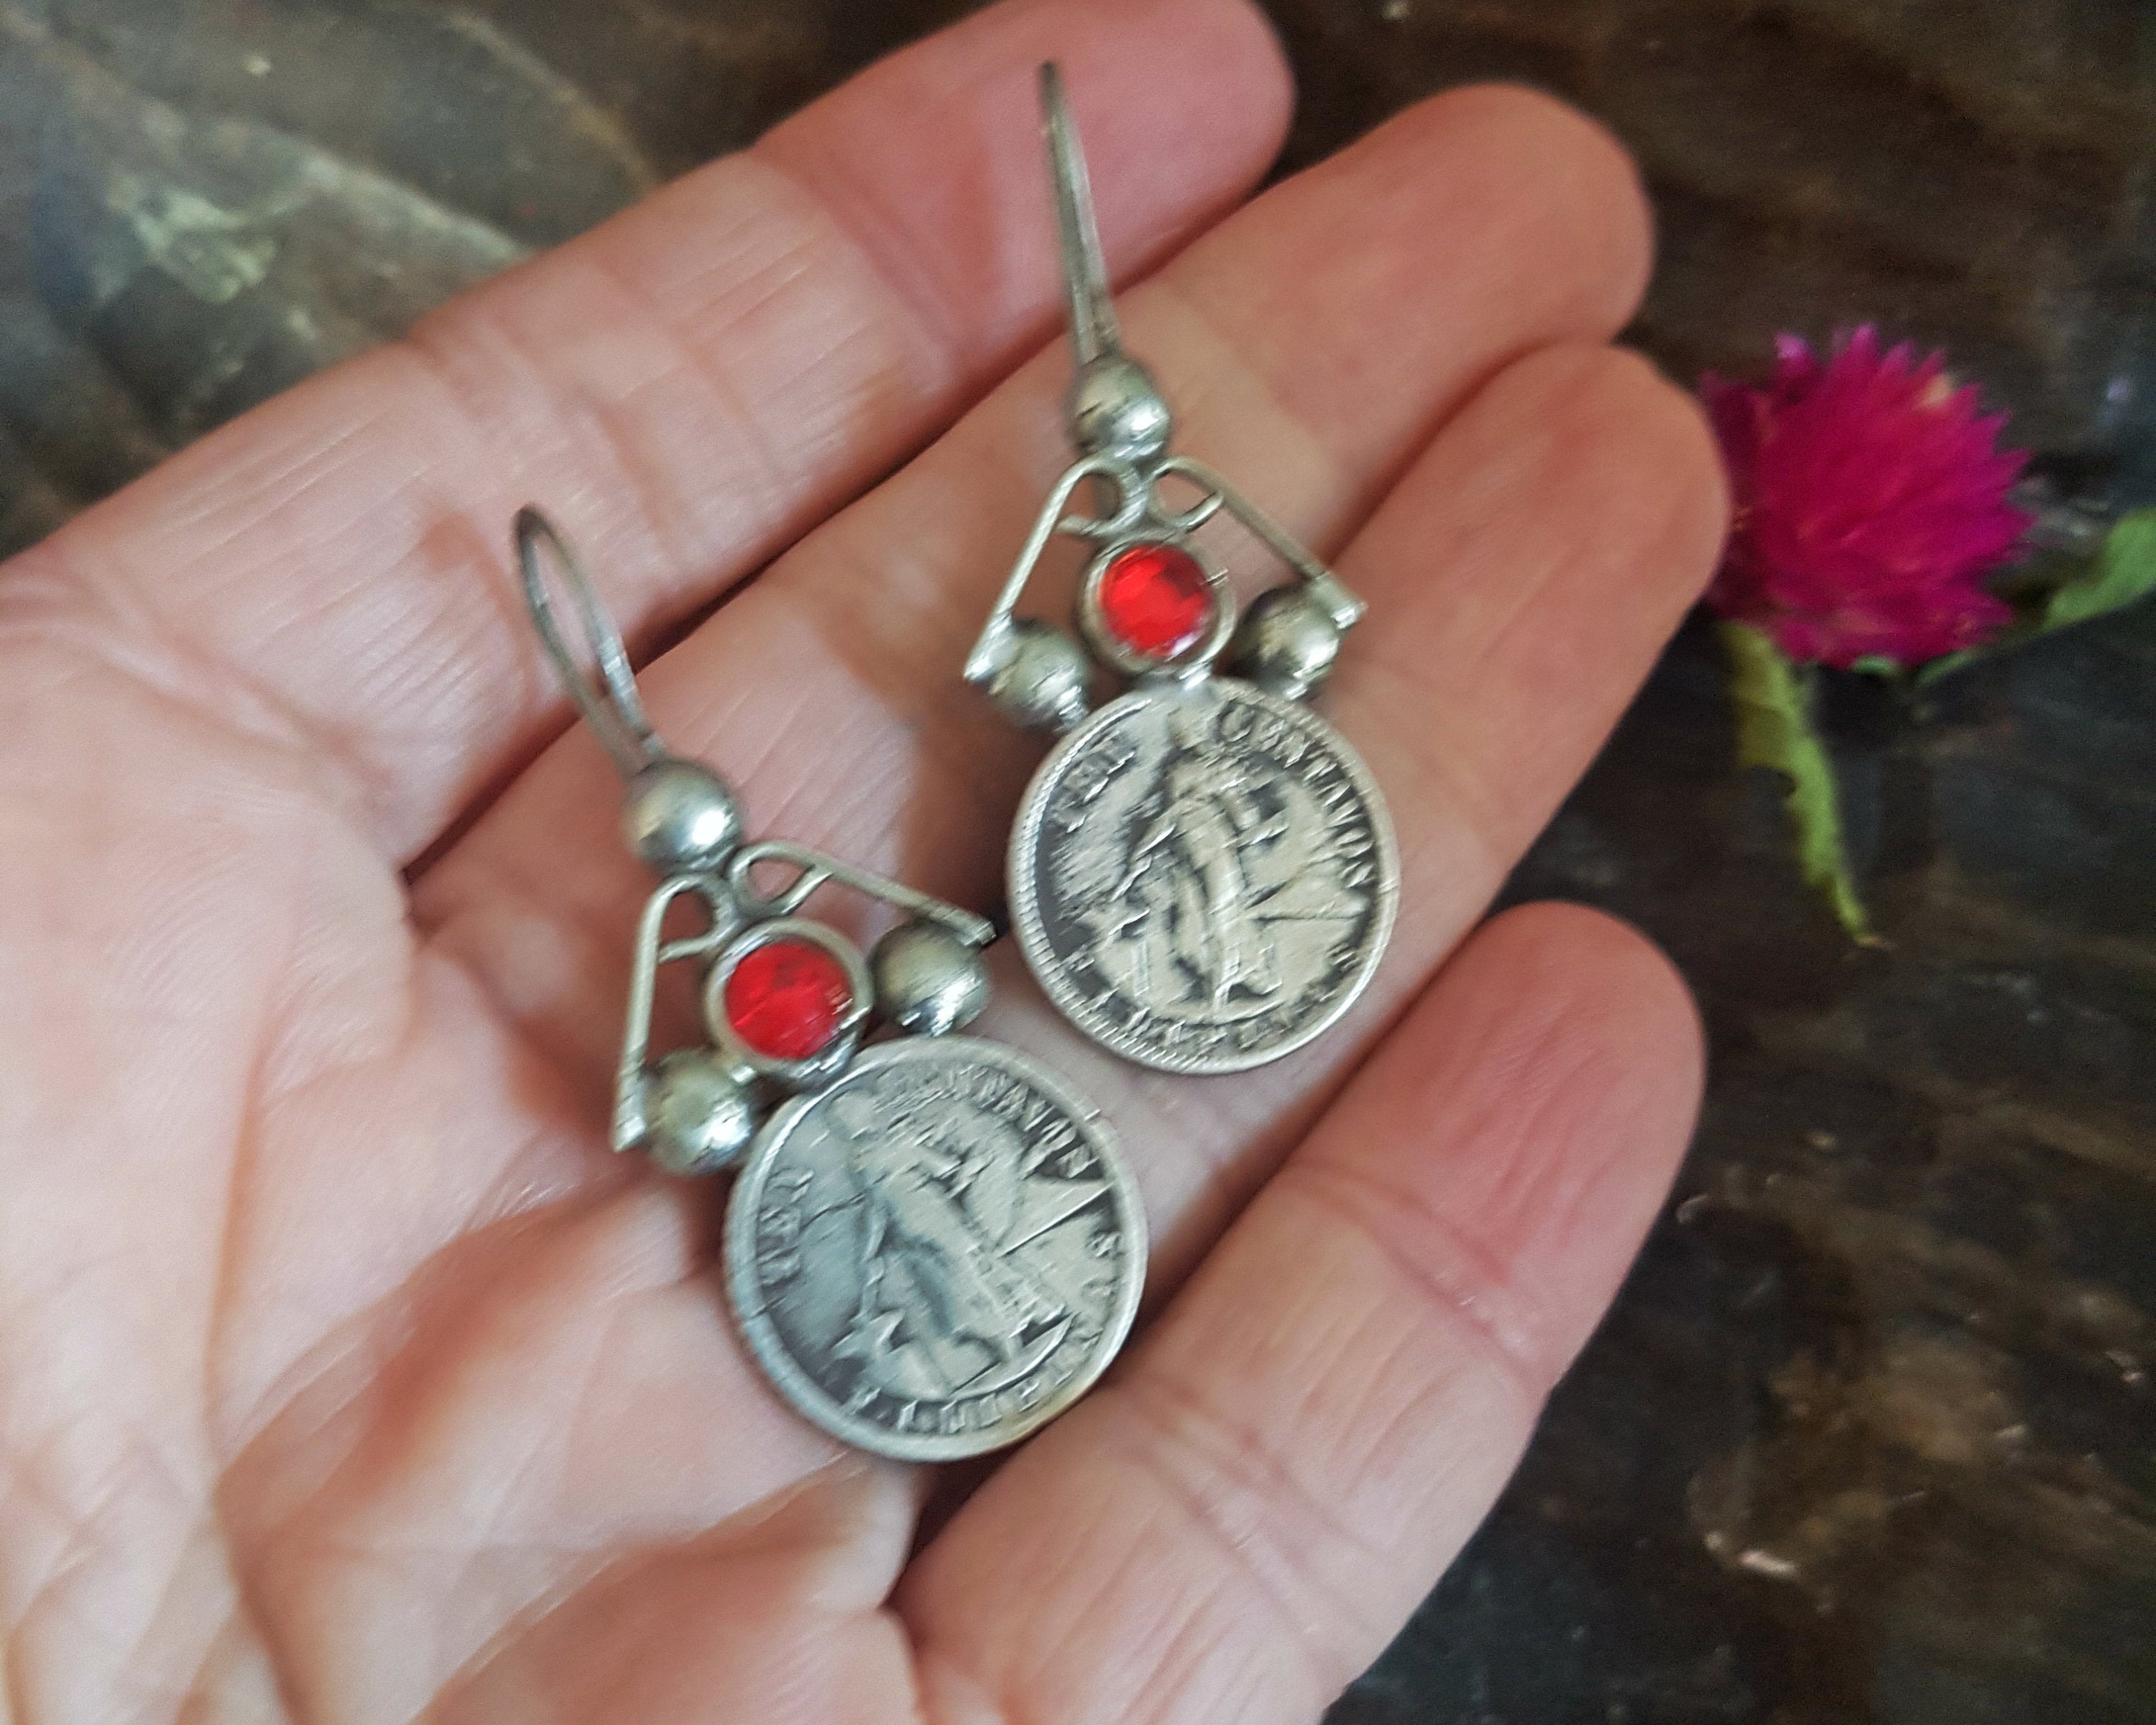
(933, 1245)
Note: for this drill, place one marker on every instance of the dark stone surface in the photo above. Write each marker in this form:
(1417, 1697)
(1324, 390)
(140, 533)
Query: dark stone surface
(1872, 1435)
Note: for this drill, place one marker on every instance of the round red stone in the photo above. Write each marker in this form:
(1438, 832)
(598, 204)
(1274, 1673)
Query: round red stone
(787, 1000)
(1155, 599)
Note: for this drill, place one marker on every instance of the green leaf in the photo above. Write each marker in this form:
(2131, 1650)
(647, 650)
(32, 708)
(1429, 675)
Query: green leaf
(2123, 570)
(2056, 590)
(1947, 664)
(1877, 665)
(1774, 729)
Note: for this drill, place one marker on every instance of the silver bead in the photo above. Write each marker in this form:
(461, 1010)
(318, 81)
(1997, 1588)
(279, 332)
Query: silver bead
(927, 980)
(1045, 681)
(1287, 642)
(1116, 409)
(681, 818)
(701, 1115)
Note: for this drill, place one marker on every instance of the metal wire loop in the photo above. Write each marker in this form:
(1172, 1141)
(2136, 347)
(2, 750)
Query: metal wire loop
(816, 869)
(610, 703)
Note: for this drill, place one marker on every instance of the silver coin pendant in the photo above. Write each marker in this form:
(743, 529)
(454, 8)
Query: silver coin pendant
(938, 1252)
(1203, 875)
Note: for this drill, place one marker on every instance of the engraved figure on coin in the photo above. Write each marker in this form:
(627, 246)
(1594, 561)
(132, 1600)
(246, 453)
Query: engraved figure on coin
(941, 1306)
(970, 1247)
(1217, 885)
(1231, 879)
(1191, 889)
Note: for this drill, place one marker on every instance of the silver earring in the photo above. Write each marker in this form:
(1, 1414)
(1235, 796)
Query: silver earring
(1202, 873)
(932, 1247)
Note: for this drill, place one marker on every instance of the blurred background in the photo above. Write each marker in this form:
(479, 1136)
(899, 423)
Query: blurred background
(1871, 1435)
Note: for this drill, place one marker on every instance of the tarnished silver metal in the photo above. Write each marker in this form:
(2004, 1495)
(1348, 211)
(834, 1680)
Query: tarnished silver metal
(679, 816)
(927, 981)
(612, 708)
(702, 1110)
(1202, 877)
(1040, 678)
(933, 1246)
(937, 1252)
(1202, 873)
(1285, 644)
(1115, 409)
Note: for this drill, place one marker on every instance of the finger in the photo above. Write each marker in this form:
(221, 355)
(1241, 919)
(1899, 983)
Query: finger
(1239, 1521)
(694, 382)
(830, 693)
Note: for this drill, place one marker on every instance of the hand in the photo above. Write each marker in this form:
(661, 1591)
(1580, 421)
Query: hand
(345, 1376)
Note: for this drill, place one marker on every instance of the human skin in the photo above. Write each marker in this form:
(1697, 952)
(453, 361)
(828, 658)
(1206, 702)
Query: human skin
(345, 1376)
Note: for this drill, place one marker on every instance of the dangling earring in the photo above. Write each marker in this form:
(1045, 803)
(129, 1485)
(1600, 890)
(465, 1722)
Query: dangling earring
(932, 1247)
(1202, 873)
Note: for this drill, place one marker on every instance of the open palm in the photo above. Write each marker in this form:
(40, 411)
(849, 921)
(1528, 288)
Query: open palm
(345, 1376)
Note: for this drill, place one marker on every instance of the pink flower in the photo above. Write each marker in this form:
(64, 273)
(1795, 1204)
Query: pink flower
(1871, 503)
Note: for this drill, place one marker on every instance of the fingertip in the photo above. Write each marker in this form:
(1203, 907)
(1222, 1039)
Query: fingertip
(1608, 987)
(1225, 56)
(1577, 163)
(1696, 452)
(1202, 87)
(1662, 456)
(1253, 89)
(1619, 457)
(1468, 230)
(1593, 1085)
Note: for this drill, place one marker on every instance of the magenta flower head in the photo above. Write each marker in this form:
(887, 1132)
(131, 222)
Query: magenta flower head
(1870, 504)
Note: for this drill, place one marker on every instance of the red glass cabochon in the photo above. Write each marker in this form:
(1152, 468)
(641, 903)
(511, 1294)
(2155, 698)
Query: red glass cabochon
(1155, 599)
(788, 999)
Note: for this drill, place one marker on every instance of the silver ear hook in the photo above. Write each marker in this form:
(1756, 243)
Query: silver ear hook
(1114, 408)
(612, 707)
(1093, 329)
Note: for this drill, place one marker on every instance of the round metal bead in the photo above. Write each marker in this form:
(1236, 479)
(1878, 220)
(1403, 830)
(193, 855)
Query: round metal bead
(1116, 409)
(701, 1115)
(1045, 682)
(681, 818)
(1287, 642)
(927, 980)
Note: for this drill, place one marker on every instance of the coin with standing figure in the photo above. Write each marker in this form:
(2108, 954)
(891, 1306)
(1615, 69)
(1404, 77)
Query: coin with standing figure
(1203, 876)
(938, 1252)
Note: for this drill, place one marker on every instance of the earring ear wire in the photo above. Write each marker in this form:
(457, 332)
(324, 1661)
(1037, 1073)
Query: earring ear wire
(613, 707)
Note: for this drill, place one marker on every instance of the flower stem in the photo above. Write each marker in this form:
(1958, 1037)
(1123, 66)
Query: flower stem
(1775, 728)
